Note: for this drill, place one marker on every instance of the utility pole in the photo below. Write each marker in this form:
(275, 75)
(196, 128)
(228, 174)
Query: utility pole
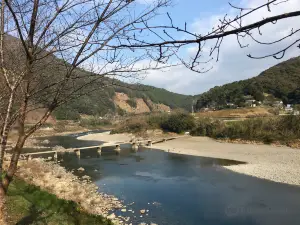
(193, 113)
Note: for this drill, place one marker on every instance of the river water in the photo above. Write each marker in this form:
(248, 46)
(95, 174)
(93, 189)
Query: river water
(183, 190)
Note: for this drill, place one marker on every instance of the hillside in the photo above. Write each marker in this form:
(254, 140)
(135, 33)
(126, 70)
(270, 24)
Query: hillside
(104, 97)
(124, 98)
(280, 82)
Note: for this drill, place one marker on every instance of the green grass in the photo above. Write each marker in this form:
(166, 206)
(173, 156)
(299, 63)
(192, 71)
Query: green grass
(27, 204)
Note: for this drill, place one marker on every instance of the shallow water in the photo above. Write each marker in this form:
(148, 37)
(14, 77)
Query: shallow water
(186, 190)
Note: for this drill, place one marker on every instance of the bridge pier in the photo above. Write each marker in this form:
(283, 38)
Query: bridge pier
(99, 150)
(118, 149)
(149, 143)
(77, 151)
(134, 146)
(55, 156)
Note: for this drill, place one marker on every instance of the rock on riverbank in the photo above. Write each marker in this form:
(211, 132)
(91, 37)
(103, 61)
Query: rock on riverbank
(65, 185)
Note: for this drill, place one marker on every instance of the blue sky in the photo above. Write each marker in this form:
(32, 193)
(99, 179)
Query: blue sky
(234, 64)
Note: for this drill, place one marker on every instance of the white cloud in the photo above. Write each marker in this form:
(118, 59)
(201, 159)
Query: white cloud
(234, 63)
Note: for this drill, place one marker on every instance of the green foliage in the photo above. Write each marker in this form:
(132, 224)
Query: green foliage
(27, 204)
(281, 81)
(132, 102)
(100, 101)
(178, 123)
(94, 122)
(120, 111)
(156, 121)
(66, 113)
(135, 125)
(208, 127)
(267, 130)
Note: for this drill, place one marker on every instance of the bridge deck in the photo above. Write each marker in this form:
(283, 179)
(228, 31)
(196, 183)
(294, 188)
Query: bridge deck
(39, 153)
(101, 145)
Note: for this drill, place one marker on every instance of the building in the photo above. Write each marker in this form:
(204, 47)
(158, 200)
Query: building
(296, 113)
(278, 104)
(250, 103)
(289, 108)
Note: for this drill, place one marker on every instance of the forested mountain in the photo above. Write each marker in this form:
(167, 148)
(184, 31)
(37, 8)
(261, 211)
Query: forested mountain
(102, 101)
(281, 82)
(95, 95)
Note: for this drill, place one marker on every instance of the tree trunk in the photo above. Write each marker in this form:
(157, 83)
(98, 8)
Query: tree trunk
(2, 206)
(13, 166)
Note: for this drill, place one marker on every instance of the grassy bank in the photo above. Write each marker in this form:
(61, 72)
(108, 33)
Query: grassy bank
(27, 204)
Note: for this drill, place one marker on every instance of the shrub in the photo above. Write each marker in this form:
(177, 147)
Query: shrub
(267, 130)
(179, 123)
(209, 127)
(131, 126)
(94, 122)
(132, 102)
(156, 121)
(66, 113)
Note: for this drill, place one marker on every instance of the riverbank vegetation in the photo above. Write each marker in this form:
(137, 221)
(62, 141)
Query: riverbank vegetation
(282, 129)
(94, 122)
(175, 122)
(278, 129)
(28, 204)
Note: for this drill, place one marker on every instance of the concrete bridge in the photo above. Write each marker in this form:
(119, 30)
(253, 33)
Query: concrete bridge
(134, 145)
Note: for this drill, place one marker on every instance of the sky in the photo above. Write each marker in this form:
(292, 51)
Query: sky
(201, 16)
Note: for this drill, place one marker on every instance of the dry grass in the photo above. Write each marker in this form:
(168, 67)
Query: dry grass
(237, 113)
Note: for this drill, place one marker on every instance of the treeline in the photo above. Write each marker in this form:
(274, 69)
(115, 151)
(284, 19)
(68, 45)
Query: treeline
(281, 81)
(283, 129)
(175, 122)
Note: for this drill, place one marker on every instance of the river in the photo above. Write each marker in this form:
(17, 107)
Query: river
(182, 190)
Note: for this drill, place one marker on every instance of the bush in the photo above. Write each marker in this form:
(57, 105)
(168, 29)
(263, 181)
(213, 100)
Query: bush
(66, 113)
(209, 127)
(179, 123)
(156, 121)
(135, 125)
(94, 122)
(267, 130)
(132, 103)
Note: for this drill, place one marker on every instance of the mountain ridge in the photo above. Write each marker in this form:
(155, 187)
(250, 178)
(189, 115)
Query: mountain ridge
(281, 82)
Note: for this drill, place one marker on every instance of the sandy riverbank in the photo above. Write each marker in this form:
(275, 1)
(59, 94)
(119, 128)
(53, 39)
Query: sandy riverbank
(279, 164)
(107, 137)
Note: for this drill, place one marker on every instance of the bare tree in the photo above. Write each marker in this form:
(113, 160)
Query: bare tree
(44, 47)
(46, 44)
(208, 45)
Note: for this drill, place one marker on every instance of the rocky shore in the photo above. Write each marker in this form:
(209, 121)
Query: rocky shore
(54, 179)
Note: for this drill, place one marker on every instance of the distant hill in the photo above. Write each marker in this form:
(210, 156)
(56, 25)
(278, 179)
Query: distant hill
(123, 98)
(280, 82)
(109, 96)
